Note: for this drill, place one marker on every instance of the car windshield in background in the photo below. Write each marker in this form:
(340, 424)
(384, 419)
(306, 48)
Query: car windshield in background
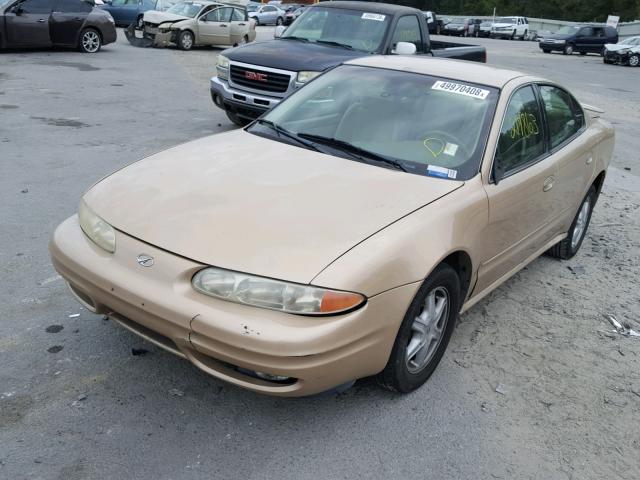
(252, 7)
(568, 30)
(341, 27)
(421, 124)
(186, 9)
(507, 20)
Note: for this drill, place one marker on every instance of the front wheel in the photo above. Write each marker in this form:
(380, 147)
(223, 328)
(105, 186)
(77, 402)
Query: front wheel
(568, 247)
(185, 40)
(634, 60)
(90, 41)
(424, 333)
(568, 49)
(279, 21)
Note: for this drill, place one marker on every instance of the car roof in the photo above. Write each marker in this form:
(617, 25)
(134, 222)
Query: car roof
(474, 72)
(373, 7)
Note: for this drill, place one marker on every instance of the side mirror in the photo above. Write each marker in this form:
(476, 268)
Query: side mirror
(404, 48)
(279, 31)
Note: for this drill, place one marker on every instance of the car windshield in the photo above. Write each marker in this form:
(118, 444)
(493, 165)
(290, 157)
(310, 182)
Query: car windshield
(568, 30)
(186, 9)
(348, 28)
(421, 124)
(252, 7)
(507, 20)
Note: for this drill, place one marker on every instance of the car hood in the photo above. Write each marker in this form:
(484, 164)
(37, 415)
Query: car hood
(502, 25)
(299, 55)
(250, 204)
(157, 17)
(616, 47)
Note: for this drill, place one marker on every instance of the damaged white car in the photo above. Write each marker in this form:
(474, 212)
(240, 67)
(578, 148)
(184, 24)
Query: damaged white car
(194, 23)
(625, 52)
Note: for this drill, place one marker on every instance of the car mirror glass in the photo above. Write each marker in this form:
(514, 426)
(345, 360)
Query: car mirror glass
(279, 31)
(404, 48)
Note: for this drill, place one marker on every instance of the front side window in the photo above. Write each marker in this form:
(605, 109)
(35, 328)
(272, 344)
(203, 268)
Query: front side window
(521, 140)
(219, 15)
(429, 125)
(564, 115)
(408, 30)
(586, 32)
(37, 6)
(74, 6)
(351, 29)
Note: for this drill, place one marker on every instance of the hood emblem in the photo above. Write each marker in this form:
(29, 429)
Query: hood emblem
(144, 260)
(259, 77)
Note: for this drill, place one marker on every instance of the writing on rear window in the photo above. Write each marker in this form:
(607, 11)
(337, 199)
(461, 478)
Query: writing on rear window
(373, 16)
(460, 89)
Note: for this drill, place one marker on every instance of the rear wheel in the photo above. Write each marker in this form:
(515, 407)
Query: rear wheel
(634, 60)
(568, 247)
(424, 333)
(90, 41)
(568, 49)
(185, 40)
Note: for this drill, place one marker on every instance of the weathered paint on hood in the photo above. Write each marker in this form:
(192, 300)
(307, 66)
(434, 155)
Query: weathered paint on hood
(157, 17)
(251, 204)
(292, 55)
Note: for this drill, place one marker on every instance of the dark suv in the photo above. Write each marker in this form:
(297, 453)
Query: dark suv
(579, 38)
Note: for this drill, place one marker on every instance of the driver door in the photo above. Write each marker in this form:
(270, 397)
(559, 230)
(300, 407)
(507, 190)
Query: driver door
(521, 203)
(214, 27)
(239, 26)
(27, 23)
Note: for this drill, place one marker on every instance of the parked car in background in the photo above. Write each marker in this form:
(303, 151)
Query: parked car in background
(462, 27)
(193, 23)
(484, 29)
(252, 6)
(579, 38)
(625, 52)
(253, 78)
(126, 12)
(268, 15)
(432, 22)
(510, 27)
(61, 23)
(353, 223)
(292, 14)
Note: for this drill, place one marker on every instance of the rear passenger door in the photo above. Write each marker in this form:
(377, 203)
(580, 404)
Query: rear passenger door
(584, 39)
(67, 19)
(239, 26)
(521, 202)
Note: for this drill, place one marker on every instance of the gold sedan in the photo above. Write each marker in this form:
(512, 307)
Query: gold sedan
(340, 235)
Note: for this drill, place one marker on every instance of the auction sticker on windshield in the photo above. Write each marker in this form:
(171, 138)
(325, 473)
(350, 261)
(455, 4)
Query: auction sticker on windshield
(374, 16)
(460, 89)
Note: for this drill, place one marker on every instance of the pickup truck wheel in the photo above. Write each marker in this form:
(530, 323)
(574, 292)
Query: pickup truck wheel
(634, 60)
(513, 35)
(241, 122)
(185, 40)
(424, 333)
(524, 35)
(568, 247)
(90, 41)
(568, 49)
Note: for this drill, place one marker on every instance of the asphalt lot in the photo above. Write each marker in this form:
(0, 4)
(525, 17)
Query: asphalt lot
(75, 403)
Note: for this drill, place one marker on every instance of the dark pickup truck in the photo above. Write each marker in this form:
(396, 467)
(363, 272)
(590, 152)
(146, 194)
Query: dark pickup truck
(253, 78)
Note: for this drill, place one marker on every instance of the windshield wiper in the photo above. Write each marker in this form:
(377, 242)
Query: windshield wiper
(335, 44)
(292, 37)
(286, 133)
(353, 150)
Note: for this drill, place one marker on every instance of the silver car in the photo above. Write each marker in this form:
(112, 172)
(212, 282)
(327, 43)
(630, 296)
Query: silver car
(268, 15)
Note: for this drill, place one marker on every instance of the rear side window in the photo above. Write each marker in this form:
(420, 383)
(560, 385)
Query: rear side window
(564, 115)
(75, 6)
(37, 6)
(238, 15)
(521, 139)
(408, 30)
(586, 32)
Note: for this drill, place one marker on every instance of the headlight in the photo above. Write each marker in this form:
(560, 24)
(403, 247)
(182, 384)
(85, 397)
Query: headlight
(165, 26)
(561, 42)
(304, 77)
(624, 51)
(273, 294)
(222, 67)
(99, 231)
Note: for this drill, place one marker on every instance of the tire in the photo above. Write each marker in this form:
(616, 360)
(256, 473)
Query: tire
(568, 247)
(185, 40)
(89, 41)
(634, 60)
(546, 51)
(406, 370)
(524, 35)
(568, 49)
(279, 21)
(513, 35)
(239, 121)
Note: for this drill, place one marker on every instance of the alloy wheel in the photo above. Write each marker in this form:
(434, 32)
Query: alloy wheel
(90, 41)
(427, 330)
(581, 223)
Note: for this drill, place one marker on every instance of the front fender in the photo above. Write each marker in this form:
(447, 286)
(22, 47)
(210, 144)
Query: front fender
(408, 250)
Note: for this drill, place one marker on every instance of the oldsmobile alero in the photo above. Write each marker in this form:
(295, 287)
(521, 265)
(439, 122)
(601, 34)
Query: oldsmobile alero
(340, 235)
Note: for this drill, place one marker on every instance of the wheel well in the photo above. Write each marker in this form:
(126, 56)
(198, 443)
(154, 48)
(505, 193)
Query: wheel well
(90, 27)
(461, 263)
(599, 181)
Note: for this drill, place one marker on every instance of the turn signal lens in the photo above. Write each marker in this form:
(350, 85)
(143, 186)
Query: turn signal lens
(274, 294)
(94, 227)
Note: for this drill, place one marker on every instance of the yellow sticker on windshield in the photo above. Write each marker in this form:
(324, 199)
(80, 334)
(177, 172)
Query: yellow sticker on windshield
(434, 145)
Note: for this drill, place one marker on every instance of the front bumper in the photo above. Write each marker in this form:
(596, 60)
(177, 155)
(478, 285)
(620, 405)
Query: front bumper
(224, 339)
(243, 103)
(615, 57)
(553, 46)
(502, 33)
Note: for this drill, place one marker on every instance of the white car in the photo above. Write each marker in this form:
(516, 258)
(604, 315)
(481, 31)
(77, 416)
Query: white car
(510, 27)
(268, 15)
(625, 52)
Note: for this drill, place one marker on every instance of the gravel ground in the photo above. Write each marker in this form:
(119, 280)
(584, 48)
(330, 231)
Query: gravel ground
(535, 385)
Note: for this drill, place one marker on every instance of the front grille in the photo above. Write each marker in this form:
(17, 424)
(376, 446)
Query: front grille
(260, 79)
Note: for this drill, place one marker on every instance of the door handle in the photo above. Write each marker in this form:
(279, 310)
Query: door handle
(548, 184)
(242, 24)
(589, 160)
